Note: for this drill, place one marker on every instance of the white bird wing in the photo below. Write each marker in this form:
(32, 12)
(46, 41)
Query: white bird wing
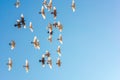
(49, 5)
(59, 23)
(58, 59)
(18, 20)
(50, 38)
(50, 66)
(38, 47)
(22, 16)
(35, 38)
(12, 47)
(45, 3)
(50, 1)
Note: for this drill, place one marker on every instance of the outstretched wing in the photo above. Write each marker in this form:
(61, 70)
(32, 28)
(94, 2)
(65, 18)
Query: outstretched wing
(45, 3)
(50, 38)
(35, 39)
(50, 5)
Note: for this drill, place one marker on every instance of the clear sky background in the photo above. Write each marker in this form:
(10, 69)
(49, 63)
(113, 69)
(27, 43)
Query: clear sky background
(91, 40)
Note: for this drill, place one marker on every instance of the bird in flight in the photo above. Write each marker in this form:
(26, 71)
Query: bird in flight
(36, 43)
(45, 3)
(9, 64)
(50, 29)
(59, 51)
(49, 6)
(12, 44)
(43, 60)
(23, 21)
(26, 66)
(60, 39)
(47, 54)
(31, 27)
(73, 6)
(17, 4)
(18, 24)
(50, 38)
(49, 62)
(58, 25)
(54, 12)
(58, 62)
(42, 12)
(55, 24)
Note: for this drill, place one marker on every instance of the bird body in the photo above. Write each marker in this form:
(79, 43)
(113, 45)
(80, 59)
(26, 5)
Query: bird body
(42, 12)
(17, 4)
(73, 6)
(49, 62)
(36, 43)
(43, 60)
(31, 27)
(9, 64)
(58, 62)
(59, 51)
(60, 39)
(12, 44)
(54, 12)
(26, 66)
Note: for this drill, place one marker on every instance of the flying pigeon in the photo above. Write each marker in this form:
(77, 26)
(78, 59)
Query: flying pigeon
(36, 43)
(59, 51)
(60, 39)
(58, 62)
(17, 4)
(43, 60)
(26, 66)
(54, 12)
(12, 44)
(42, 12)
(73, 6)
(31, 27)
(9, 64)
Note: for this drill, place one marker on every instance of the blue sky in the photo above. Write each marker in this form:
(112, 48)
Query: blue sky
(91, 40)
